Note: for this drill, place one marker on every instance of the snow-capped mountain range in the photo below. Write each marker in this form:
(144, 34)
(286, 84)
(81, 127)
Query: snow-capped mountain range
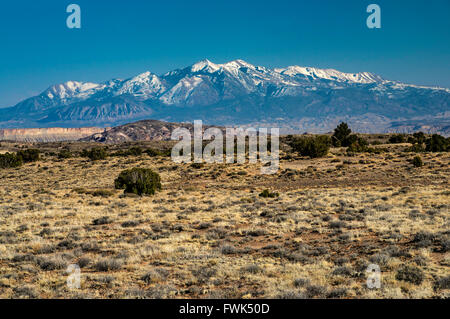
(237, 93)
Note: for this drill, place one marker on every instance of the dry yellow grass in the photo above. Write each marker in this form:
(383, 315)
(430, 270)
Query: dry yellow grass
(208, 234)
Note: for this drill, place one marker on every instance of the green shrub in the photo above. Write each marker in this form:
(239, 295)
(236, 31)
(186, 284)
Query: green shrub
(29, 155)
(95, 154)
(397, 139)
(132, 151)
(349, 140)
(341, 133)
(437, 143)
(64, 154)
(10, 160)
(138, 181)
(135, 151)
(120, 153)
(267, 194)
(358, 146)
(152, 152)
(419, 137)
(317, 146)
(417, 161)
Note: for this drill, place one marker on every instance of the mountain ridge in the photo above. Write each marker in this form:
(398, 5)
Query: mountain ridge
(144, 130)
(235, 92)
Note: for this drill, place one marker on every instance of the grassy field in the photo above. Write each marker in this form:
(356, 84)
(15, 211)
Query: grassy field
(208, 233)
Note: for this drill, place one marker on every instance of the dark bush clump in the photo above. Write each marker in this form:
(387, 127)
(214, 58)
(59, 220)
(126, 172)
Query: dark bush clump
(267, 194)
(423, 239)
(397, 139)
(337, 224)
(28, 156)
(349, 140)
(419, 137)
(135, 151)
(228, 250)
(417, 140)
(313, 291)
(132, 151)
(130, 223)
(442, 283)
(154, 152)
(417, 161)
(337, 293)
(95, 154)
(301, 282)
(64, 154)
(437, 143)
(317, 146)
(9, 160)
(197, 165)
(102, 221)
(51, 263)
(138, 181)
(358, 145)
(410, 274)
(108, 264)
(26, 291)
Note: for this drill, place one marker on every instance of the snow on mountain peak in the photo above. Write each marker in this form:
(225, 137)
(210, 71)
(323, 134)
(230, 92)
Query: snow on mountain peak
(205, 66)
(205, 81)
(240, 63)
(142, 78)
(144, 85)
(237, 64)
(330, 74)
(235, 91)
(144, 75)
(210, 67)
(71, 89)
(182, 90)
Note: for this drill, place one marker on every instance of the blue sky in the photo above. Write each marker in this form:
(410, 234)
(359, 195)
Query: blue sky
(125, 38)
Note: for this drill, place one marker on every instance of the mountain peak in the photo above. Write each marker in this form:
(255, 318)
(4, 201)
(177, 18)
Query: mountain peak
(235, 92)
(69, 89)
(330, 74)
(146, 74)
(239, 63)
(144, 85)
(142, 78)
(206, 66)
(242, 62)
